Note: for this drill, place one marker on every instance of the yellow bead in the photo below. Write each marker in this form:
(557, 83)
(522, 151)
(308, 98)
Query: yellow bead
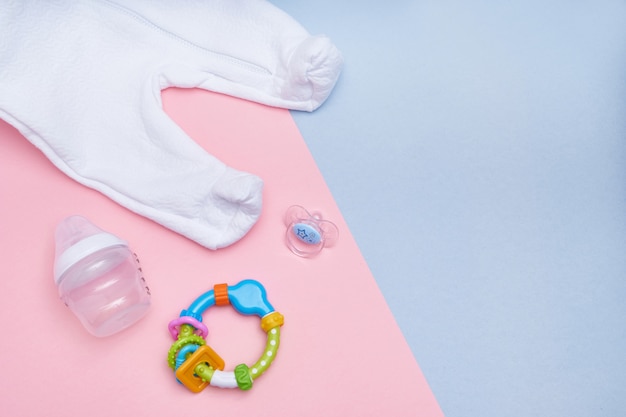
(272, 320)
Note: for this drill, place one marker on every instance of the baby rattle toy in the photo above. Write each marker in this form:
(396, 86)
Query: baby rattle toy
(197, 365)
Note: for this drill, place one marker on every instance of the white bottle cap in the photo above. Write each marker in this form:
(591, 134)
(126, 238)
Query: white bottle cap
(77, 238)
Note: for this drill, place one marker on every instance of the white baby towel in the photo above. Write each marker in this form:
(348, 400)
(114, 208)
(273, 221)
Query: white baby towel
(81, 79)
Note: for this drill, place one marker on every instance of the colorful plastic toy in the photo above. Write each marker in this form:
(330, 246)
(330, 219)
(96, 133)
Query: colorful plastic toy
(197, 365)
(308, 233)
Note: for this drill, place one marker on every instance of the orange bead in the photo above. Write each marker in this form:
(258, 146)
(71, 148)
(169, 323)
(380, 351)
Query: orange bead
(221, 294)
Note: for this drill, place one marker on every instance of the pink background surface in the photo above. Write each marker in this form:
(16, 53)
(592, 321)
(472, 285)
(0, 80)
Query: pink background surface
(341, 351)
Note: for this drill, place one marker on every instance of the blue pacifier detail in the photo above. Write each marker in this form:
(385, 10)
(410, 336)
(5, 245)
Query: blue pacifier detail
(308, 233)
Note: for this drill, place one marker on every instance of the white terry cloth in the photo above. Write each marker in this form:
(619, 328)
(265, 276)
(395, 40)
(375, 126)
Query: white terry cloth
(81, 80)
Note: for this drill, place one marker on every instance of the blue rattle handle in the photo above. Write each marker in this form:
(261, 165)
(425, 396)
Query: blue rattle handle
(248, 297)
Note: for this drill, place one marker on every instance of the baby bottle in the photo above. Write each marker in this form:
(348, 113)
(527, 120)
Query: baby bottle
(98, 277)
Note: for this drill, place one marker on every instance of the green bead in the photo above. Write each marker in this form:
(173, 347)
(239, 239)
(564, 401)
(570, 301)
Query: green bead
(242, 375)
(205, 372)
(186, 330)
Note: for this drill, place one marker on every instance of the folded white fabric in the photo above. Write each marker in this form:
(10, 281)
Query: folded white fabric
(81, 79)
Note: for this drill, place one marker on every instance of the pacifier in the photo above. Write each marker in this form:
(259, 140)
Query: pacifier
(308, 233)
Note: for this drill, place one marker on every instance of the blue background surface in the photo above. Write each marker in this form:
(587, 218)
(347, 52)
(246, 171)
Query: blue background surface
(477, 151)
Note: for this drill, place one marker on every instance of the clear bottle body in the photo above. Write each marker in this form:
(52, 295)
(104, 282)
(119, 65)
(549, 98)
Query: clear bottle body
(106, 290)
